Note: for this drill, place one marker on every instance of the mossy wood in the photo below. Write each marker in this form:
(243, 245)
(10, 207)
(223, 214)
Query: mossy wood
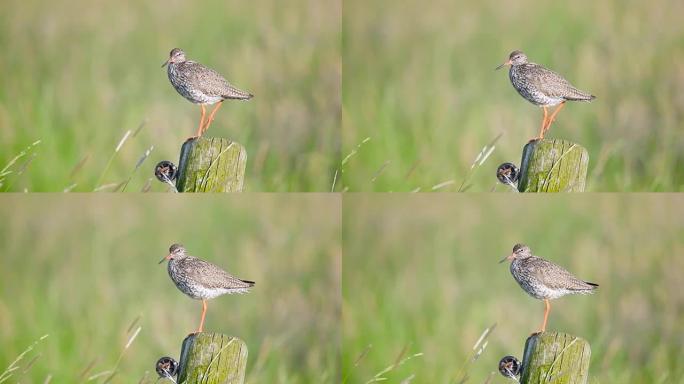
(212, 358)
(552, 165)
(555, 358)
(211, 164)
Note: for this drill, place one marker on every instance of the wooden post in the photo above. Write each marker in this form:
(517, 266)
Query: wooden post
(211, 165)
(212, 358)
(552, 165)
(555, 358)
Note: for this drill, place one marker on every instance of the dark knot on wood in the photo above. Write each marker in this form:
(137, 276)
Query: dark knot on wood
(508, 174)
(510, 367)
(166, 367)
(166, 171)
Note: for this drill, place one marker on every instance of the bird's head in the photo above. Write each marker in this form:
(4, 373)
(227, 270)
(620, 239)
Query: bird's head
(175, 251)
(175, 56)
(519, 251)
(515, 58)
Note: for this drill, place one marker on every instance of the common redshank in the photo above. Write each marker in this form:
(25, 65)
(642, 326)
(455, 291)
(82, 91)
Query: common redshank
(201, 280)
(200, 85)
(543, 279)
(541, 87)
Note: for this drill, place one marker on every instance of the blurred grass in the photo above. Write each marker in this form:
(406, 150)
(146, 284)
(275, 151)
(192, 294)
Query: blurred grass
(420, 82)
(81, 268)
(78, 74)
(421, 274)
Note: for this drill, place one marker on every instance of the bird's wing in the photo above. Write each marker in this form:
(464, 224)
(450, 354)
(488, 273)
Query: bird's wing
(212, 83)
(212, 275)
(554, 276)
(552, 84)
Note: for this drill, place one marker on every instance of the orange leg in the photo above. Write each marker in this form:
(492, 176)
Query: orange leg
(211, 116)
(546, 314)
(199, 130)
(543, 127)
(204, 312)
(553, 116)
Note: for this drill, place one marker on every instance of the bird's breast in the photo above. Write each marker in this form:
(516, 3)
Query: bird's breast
(184, 86)
(528, 89)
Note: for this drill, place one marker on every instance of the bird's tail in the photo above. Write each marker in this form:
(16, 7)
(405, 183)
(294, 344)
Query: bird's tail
(587, 288)
(577, 95)
(237, 94)
(246, 96)
(250, 283)
(582, 98)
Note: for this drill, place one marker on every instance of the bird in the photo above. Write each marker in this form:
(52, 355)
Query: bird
(200, 85)
(541, 87)
(543, 279)
(201, 280)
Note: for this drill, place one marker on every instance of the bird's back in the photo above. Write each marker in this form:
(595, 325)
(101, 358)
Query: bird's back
(543, 279)
(210, 82)
(543, 86)
(201, 279)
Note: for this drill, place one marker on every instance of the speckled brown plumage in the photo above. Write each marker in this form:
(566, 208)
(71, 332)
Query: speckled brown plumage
(541, 86)
(201, 279)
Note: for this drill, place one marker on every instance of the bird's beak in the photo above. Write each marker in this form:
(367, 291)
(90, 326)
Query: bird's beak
(509, 257)
(165, 63)
(167, 257)
(503, 65)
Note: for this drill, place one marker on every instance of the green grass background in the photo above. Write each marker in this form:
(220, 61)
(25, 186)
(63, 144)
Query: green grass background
(82, 268)
(419, 81)
(78, 74)
(422, 275)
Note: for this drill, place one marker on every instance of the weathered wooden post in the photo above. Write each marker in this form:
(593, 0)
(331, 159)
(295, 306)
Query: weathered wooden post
(212, 358)
(551, 358)
(211, 164)
(553, 165)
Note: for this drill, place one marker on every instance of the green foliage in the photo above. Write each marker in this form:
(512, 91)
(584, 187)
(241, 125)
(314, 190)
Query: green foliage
(77, 75)
(420, 82)
(82, 269)
(422, 275)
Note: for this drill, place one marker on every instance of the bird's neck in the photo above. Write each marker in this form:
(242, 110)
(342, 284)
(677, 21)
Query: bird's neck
(519, 260)
(177, 259)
